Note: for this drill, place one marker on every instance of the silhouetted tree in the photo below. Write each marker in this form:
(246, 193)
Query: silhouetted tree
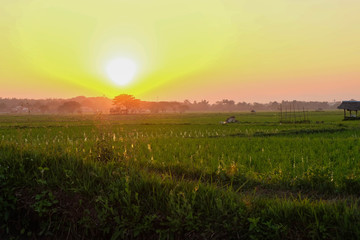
(225, 104)
(204, 104)
(43, 108)
(187, 102)
(164, 106)
(200, 106)
(153, 107)
(243, 106)
(125, 103)
(69, 107)
(3, 107)
(183, 108)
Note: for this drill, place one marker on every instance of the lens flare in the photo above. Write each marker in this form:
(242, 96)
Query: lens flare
(121, 70)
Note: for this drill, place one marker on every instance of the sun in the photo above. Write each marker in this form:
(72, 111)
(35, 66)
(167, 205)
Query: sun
(121, 70)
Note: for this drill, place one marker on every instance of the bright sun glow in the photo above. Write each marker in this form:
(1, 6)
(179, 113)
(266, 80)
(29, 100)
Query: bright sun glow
(121, 70)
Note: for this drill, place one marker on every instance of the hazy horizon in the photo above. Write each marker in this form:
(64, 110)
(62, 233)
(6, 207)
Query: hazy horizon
(182, 100)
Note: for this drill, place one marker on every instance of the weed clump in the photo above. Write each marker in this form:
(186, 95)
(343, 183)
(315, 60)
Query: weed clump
(103, 151)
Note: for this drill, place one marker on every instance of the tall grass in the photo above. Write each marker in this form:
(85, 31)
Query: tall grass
(178, 176)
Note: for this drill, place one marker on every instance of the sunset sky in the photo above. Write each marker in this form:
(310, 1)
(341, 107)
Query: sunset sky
(245, 50)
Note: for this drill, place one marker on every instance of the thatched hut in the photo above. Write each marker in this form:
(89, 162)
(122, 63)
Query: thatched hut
(350, 106)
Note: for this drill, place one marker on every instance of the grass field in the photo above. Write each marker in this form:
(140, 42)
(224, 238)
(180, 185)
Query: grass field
(179, 177)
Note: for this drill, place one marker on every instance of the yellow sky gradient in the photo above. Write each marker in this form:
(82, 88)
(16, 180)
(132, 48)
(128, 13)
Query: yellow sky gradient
(246, 50)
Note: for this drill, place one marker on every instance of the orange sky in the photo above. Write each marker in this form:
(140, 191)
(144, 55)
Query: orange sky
(246, 50)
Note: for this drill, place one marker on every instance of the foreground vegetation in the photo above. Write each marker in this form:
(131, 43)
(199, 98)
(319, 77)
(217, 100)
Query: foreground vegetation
(179, 177)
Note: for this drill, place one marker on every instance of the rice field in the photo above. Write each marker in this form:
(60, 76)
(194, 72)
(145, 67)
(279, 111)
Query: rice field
(179, 176)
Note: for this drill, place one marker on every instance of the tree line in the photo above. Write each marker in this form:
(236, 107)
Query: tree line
(129, 104)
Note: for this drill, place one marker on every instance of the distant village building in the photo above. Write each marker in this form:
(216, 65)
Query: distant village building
(351, 107)
(20, 109)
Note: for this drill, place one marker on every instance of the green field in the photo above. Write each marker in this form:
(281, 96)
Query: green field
(179, 176)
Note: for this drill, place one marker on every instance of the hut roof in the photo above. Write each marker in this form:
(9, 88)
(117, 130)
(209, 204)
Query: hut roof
(350, 105)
